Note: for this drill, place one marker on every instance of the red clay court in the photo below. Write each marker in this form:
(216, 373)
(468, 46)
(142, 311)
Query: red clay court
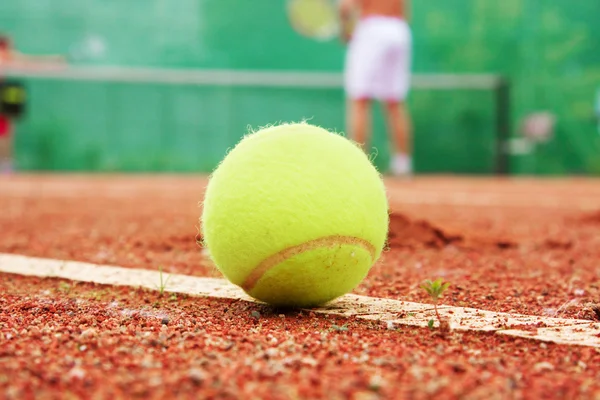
(516, 247)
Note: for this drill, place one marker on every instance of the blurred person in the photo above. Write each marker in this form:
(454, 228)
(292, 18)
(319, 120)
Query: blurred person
(5, 123)
(9, 57)
(377, 67)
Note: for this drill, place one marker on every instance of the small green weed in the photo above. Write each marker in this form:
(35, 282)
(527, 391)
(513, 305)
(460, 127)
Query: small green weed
(163, 282)
(435, 290)
(430, 323)
(337, 328)
(64, 287)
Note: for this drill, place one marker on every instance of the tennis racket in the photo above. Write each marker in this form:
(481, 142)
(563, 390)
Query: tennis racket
(316, 19)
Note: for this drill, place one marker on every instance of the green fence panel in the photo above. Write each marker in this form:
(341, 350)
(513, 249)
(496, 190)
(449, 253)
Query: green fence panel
(547, 48)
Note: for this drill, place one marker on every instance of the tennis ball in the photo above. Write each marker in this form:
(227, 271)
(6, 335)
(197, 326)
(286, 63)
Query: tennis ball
(295, 215)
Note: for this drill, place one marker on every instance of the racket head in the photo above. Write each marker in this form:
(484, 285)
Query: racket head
(315, 19)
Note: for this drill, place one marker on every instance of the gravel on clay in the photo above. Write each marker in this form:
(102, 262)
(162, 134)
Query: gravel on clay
(523, 245)
(61, 339)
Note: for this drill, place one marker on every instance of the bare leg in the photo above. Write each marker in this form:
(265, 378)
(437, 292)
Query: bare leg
(399, 126)
(359, 121)
(6, 151)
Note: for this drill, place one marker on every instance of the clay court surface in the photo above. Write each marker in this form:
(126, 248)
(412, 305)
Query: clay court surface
(519, 246)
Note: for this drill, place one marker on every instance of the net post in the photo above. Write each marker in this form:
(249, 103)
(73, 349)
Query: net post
(502, 126)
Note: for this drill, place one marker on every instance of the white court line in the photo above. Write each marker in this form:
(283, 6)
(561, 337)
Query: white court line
(392, 312)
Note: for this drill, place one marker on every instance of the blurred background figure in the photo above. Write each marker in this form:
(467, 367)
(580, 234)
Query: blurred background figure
(5, 123)
(12, 96)
(377, 67)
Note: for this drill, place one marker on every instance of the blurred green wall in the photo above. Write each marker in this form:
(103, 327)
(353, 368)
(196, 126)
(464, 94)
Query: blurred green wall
(549, 49)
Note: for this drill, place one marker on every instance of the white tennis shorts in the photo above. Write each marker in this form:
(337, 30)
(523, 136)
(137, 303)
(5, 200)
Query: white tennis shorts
(378, 60)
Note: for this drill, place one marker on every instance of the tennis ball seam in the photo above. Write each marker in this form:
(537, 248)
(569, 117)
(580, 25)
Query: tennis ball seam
(277, 258)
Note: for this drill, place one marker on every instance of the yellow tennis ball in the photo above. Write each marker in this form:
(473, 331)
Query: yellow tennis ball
(295, 215)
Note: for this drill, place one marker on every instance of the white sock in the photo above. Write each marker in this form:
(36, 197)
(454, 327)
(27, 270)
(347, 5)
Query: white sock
(401, 164)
